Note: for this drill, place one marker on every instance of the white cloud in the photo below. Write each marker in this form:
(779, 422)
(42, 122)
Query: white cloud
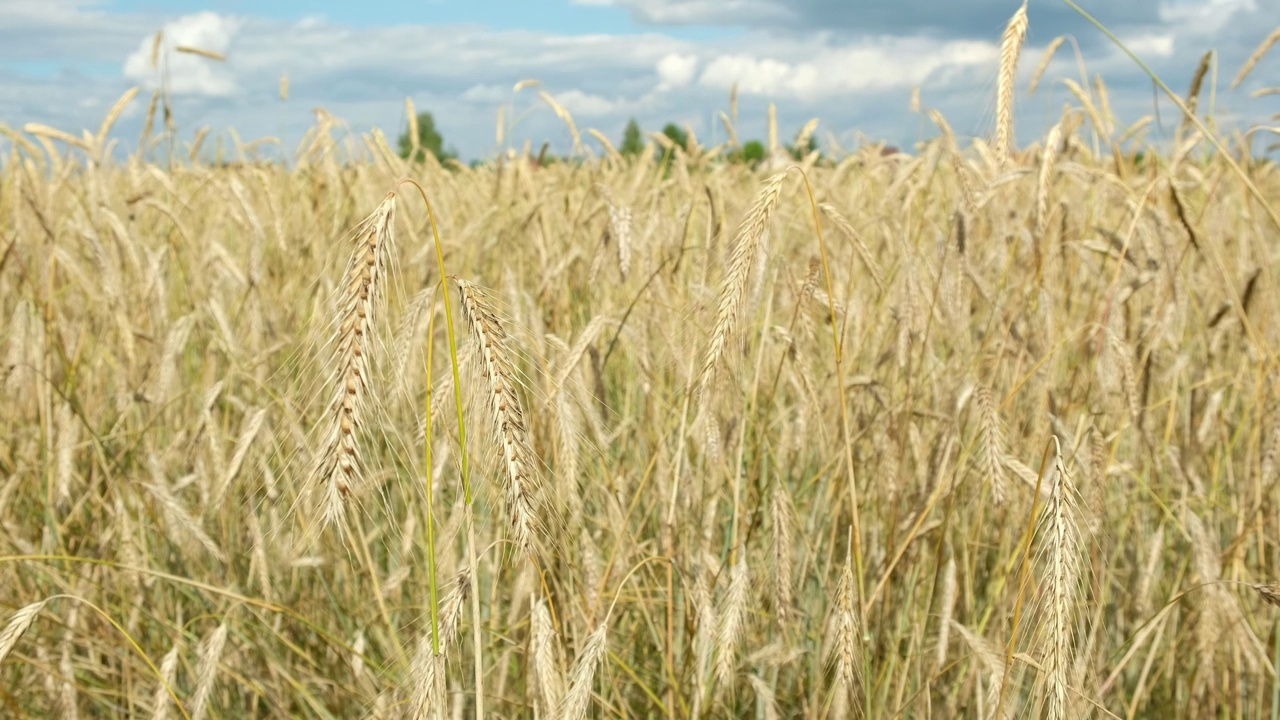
(676, 70)
(1151, 45)
(489, 94)
(188, 74)
(835, 71)
(580, 104)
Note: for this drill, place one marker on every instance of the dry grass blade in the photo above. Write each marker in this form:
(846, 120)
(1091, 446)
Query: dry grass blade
(521, 486)
(1015, 34)
(338, 465)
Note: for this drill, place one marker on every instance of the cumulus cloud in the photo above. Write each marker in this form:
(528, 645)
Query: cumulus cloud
(843, 70)
(188, 74)
(675, 70)
(585, 105)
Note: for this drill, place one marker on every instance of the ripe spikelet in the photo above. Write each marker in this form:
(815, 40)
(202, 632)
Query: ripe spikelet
(174, 343)
(1047, 161)
(864, 254)
(1045, 59)
(733, 292)
(545, 656)
(766, 696)
(620, 231)
(1015, 34)
(848, 646)
(732, 617)
(337, 469)
(948, 604)
(1269, 592)
(428, 668)
(783, 511)
(521, 490)
(578, 699)
(207, 671)
(1258, 52)
(68, 436)
(993, 452)
(992, 661)
(1060, 545)
(18, 626)
(168, 674)
(251, 427)
(1150, 571)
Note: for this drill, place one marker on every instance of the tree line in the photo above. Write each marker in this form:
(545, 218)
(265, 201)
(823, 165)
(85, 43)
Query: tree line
(751, 152)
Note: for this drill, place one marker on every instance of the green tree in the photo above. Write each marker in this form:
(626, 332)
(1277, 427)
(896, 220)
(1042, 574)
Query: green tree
(750, 153)
(429, 141)
(632, 144)
(677, 135)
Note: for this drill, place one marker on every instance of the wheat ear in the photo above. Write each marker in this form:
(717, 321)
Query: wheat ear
(428, 669)
(1015, 34)
(578, 699)
(18, 626)
(1255, 57)
(207, 671)
(1045, 59)
(168, 674)
(1063, 550)
(338, 465)
(545, 656)
(732, 617)
(732, 293)
(521, 488)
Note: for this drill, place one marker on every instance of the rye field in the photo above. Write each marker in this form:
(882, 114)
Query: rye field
(974, 430)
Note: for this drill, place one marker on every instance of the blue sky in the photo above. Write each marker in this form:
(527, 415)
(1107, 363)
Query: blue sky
(852, 65)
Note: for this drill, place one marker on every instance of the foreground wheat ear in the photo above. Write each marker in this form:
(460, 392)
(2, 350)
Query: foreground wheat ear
(521, 487)
(338, 466)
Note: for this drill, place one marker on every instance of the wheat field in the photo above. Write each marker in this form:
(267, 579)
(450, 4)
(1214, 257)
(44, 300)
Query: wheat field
(979, 430)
